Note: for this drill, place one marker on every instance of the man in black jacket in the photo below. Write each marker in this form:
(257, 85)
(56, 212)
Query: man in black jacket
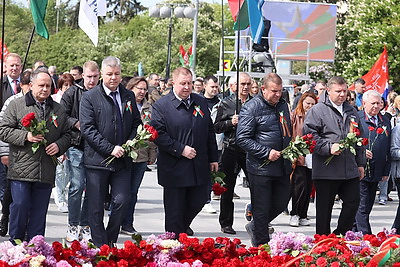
(264, 130)
(233, 158)
(108, 118)
(78, 220)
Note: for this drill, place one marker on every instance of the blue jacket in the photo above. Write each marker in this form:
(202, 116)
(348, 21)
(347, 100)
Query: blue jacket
(98, 126)
(176, 128)
(379, 165)
(259, 130)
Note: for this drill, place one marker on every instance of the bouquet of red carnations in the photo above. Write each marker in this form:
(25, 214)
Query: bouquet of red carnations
(144, 133)
(36, 127)
(218, 184)
(300, 146)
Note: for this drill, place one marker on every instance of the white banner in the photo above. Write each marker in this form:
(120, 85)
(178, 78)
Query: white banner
(89, 10)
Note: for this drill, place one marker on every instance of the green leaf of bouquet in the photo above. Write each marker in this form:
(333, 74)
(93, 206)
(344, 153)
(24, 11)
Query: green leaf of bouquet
(133, 154)
(295, 253)
(35, 147)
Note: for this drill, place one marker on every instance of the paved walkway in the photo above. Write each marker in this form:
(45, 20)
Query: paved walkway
(149, 216)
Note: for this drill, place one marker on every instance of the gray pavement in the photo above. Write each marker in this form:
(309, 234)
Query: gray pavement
(149, 216)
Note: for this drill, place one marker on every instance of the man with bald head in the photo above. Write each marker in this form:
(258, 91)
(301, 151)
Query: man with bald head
(32, 174)
(187, 151)
(233, 158)
(13, 68)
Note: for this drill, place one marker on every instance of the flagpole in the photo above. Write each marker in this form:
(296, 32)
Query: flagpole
(29, 47)
(223, 49)
(238, 60)
(2, 49)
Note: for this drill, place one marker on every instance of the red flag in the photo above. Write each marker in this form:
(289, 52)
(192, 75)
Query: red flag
(185, 57)
(378, 76)
(5, 51)
(235, 6)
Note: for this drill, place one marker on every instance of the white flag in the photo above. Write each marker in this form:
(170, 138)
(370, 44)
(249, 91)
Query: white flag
(89, 10)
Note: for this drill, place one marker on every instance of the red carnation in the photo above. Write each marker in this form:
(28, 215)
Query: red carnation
(152, 131)
(218, 189)
(379, 130)
(321, 261)
(357, 131)
(308, 259)
(304, 137)
(371, 129)
(27, 120)
(309, 136)
(364, 141)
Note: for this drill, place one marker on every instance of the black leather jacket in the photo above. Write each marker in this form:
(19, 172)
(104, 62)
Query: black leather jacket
(223, 121)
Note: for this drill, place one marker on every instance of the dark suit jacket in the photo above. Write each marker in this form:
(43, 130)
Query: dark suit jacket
(6, 90)
(98, 125)
(178, 127)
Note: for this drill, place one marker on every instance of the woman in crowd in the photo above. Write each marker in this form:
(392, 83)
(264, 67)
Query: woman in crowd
(301, 182)
(254, 88)
(351, 98)
(60, 192)
(138, 85)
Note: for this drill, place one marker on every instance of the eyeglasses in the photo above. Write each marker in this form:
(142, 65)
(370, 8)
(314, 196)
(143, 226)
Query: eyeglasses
(142, 89)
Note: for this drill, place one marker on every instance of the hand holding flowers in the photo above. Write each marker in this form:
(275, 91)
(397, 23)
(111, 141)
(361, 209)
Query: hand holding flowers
(144, 133)
(36, 132)
(300, 146)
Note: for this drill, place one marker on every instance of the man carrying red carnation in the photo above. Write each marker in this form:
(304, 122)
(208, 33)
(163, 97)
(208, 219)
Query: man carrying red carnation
(329, 122)
(377, 129)
(32, 173)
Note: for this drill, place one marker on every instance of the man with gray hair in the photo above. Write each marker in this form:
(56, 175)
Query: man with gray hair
(108, 118)
(377, 130)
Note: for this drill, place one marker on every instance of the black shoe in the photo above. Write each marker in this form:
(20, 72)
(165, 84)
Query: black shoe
(189, 232)
(128, 230)
(107, 206)
(148, 169)
(4, 225)
(228, 230)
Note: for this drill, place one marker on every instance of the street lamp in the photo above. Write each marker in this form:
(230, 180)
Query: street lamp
(167, 10)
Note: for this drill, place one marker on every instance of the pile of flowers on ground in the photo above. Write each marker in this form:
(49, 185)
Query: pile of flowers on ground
(284, 249)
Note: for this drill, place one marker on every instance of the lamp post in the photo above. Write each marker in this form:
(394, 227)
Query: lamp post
(167, 10)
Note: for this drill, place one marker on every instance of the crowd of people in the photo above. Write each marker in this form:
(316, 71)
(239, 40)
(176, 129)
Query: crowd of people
(59, 130)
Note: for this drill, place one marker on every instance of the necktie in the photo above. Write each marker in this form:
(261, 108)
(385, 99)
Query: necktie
(15, 89)
(186, 103)
(373, 119)
(118, 119)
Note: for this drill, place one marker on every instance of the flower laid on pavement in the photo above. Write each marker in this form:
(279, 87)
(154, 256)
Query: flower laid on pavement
(144, 135)
(284, 250)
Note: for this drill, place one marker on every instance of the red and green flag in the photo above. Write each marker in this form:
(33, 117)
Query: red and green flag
(186, 57)
(38, 8)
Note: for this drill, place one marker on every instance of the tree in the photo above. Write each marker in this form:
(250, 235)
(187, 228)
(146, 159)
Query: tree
(124, 10)
(367, 26)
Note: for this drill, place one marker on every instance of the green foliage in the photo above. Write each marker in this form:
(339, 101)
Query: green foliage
(366, 28)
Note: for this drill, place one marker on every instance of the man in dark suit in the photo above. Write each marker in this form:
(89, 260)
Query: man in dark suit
(108, 118)
(11, 79)
(187, 151)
